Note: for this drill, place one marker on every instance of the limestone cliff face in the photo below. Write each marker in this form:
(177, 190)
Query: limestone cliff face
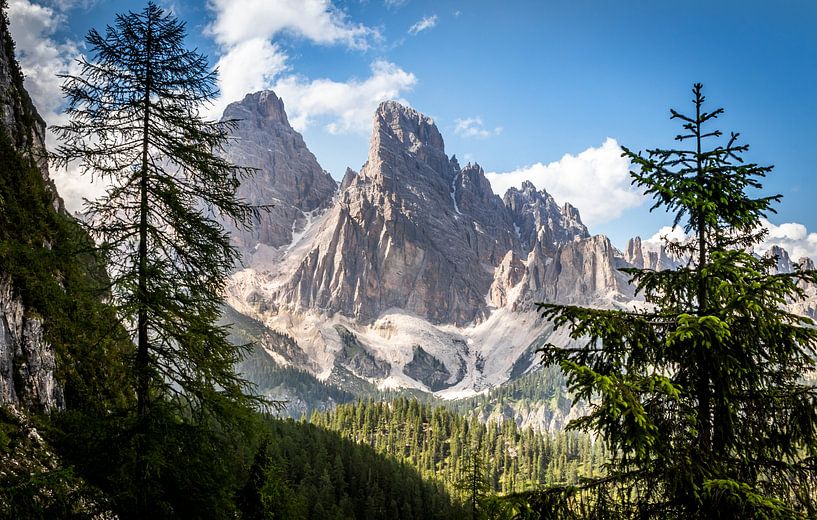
(395, 238)
(584, 271)
(785, 264)
(27, 361)
(287, 176)
(540, 220)
(639, 256)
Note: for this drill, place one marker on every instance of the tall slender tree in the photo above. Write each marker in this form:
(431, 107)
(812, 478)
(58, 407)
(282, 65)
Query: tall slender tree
(136, 123)
(701, 396)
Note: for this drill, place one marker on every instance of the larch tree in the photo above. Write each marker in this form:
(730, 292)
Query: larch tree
(701, 396)
(135, 122)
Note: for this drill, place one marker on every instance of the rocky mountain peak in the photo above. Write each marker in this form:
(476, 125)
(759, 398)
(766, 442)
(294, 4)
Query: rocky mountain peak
(258, 107)
(288, 175)
(348, 178)
(784, 261)
(408, 126)
(639, 255)
(538, 218)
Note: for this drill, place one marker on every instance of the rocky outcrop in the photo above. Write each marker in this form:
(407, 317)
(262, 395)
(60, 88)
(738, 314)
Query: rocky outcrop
(784, 264)
(288, 178)
(584, 271)
(427, 369)
(354, 356)
(539, 220)
(638, 256)
(396, 237)
(27, 362)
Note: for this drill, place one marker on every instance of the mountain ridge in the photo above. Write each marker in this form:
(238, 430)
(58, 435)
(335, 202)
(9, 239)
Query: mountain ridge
(416, 265)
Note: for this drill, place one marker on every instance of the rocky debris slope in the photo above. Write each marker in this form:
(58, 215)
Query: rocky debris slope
(785, 264)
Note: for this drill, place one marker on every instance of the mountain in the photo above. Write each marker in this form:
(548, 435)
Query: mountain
(413, 273)
(288, 177)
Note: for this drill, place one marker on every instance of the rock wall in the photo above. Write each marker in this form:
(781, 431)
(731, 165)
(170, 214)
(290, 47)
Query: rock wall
(27, 363)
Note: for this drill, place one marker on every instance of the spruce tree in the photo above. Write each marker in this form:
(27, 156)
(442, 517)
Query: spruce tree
(700, 396)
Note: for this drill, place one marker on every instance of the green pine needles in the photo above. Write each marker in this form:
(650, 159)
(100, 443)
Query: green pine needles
(135, 123)
(700, 396)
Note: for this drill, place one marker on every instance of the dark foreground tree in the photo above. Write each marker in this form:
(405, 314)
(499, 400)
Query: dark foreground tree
(701, 395)
(135, 123)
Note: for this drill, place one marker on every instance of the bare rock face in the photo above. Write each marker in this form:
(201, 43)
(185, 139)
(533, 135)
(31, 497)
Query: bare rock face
(784, 261)
(27, 362)
(643, 258)
(540, 220)
(582, 272)
(397, 238)
(288, 176)
(784, 264)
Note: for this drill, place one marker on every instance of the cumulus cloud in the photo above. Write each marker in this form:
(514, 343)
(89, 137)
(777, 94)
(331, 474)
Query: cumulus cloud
(315, 20)
(342, 106)
(794, 237)
(394, 3)
(41, 56)
(427, 22)
(249, 66)
(597, 181)
(660, 238)
(251, 61)
(473, 127)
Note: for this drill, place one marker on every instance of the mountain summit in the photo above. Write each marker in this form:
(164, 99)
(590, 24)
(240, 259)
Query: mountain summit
(289, 177)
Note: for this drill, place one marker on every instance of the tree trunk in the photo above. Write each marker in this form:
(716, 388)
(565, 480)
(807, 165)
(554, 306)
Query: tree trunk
(143, 378)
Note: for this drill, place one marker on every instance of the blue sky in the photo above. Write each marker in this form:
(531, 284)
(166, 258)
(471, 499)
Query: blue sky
(514, 86)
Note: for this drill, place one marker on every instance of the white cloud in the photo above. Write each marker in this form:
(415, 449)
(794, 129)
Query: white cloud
(250, 61)
(597, 181)
(426, 23)
(342, 106)
(473, 127)
(794, 237)
(41, 58)
(660, 238)
(249, 66)
(394, 3)
(316, 20)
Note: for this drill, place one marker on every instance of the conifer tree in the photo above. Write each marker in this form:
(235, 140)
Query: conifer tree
(135, 123)
(700, 395)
